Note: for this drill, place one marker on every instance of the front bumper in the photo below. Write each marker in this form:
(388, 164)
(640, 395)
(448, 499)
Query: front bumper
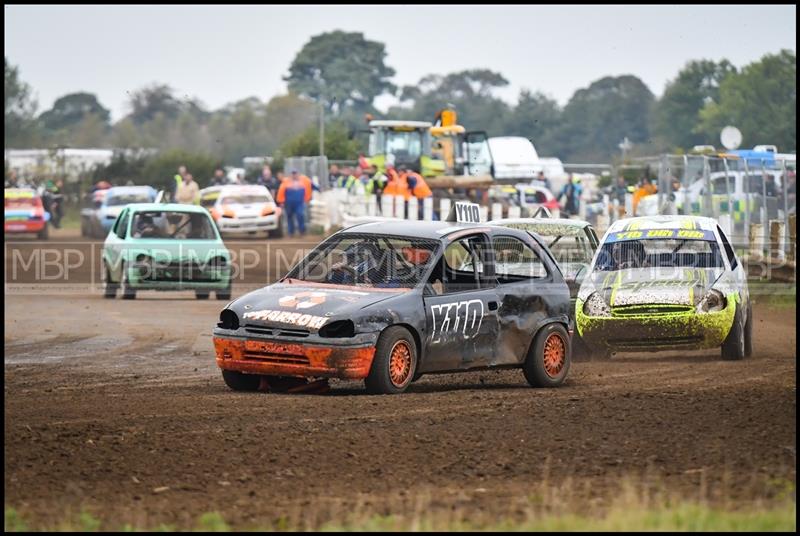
(248, 225)
(686, 331)
(146, 277)
(274, 358)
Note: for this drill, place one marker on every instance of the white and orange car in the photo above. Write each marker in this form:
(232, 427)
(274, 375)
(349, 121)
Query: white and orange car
(243, 210)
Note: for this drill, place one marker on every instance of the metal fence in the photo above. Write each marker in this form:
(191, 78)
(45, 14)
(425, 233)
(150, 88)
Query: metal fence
(738, 192)
(310, 166)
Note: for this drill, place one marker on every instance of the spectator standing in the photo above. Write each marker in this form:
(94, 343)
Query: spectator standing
(269, 180)
(333, 176)
(376, 185)
(188, 191)
(177, 181)
(544, 180)
(645, 188)
(219, 177)
(571, 194)
(293, 195)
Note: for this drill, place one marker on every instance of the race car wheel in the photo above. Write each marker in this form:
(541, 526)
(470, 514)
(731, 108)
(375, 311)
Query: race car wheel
(42, 235)
(224, 294)
(202, 294)
(733, 349)
(278, 231)
(241, 382)
(128, 293)
(109, 287)
(394, 364)
(748, 332)
(549, 358)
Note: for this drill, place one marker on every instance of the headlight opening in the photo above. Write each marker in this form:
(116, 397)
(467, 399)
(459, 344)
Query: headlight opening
(596, 306)
(712, 302)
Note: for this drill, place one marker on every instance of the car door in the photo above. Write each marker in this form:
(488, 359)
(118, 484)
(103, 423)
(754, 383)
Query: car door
(523, 285)
(461, 307)
(115, 242)
(738, 273)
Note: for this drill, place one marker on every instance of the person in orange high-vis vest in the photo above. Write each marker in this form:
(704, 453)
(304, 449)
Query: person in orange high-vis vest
(417, 185)
(280, 198)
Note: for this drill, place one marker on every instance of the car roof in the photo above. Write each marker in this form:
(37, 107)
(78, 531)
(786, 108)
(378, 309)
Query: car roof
(663, 222)
(434, 230)
(176, 207)
(227, 188)
(564, 223)
(126, 189)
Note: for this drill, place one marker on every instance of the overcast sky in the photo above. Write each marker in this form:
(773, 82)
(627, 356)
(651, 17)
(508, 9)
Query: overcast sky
(221, 54)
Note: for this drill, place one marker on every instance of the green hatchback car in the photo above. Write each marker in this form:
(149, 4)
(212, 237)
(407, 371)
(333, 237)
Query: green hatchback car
(158, 246)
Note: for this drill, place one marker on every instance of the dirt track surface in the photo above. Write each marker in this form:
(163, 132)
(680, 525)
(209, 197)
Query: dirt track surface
(117, 407)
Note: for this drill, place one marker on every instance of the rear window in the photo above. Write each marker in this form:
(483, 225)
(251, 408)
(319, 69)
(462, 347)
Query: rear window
(246, 199)
(367, 260)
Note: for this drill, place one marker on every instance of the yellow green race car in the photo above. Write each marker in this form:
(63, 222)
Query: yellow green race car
(665, 283)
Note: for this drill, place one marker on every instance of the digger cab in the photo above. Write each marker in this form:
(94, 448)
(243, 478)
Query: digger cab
(409, 143)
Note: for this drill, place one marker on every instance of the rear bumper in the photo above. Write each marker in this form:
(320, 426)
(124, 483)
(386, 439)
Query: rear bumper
(24, 226)
(292, 359)
(687, 331)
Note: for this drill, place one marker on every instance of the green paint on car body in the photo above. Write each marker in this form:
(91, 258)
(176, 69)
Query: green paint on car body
(706, 330)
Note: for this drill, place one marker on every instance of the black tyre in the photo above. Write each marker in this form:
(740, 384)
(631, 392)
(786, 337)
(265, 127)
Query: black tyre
(224, 294)
(241, 382)
(277, 233)
(394, 364)
(733, 349)
(549, 357)
(128, 293)
(43, 234)
(748, 332)
(109, 287)
(84, 229)
(202, 294)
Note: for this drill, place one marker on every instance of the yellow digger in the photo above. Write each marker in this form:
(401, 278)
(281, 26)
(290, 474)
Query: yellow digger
(438, 150)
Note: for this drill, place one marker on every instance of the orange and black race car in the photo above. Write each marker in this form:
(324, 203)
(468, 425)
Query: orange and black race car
(388, 302)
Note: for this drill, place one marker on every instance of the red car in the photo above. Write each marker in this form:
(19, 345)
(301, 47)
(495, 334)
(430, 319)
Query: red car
(25, 212)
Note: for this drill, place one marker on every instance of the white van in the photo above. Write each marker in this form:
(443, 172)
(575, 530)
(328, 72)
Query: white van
(514, 157)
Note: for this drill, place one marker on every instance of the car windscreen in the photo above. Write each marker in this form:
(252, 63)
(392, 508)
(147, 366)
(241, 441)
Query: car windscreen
(368, 260)
(660, 252)
(246, 199)
(126, 199)
(172, 225)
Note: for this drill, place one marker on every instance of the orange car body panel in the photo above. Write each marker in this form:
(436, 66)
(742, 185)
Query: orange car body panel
(291, 359)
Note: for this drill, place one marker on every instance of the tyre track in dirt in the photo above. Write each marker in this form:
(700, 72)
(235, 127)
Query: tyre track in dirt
(145, 408)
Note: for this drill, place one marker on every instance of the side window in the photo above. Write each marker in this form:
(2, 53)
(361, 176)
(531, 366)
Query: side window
(121, 225)
(463, 267)
(515, 261)
(728, 249)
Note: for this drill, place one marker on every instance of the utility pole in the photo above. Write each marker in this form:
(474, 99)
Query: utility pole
(625, 145)
(321, 127)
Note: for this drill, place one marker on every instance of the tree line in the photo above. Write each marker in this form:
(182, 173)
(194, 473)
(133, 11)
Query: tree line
(343, 73)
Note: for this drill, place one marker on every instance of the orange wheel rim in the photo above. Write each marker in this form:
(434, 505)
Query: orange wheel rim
(400, 363)
(555, 352)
